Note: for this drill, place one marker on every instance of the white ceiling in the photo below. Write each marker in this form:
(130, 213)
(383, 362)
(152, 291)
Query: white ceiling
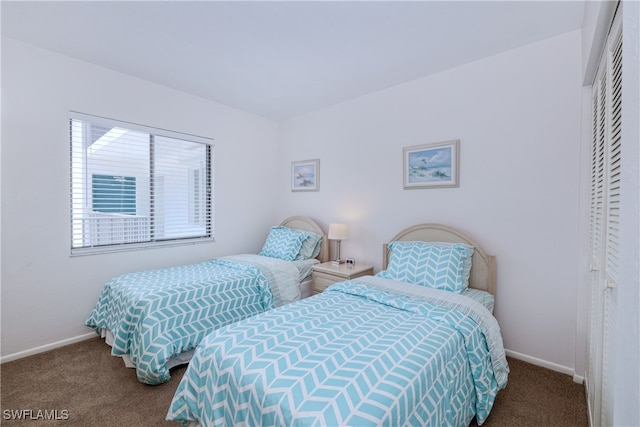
(280, 59)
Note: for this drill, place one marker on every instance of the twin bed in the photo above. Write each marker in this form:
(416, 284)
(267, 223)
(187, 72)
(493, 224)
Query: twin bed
(376, 350)
(155, 319)
(417, 344)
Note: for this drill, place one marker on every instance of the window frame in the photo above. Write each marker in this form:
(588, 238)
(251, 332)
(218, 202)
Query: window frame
(153, 241)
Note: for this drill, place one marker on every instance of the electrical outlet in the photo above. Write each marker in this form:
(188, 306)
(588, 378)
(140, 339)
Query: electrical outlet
(350, 262)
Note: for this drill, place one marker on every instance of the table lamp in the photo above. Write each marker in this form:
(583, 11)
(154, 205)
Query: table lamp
(338, 232)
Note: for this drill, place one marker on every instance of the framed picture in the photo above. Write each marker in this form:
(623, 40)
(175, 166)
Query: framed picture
(305, 175)
(431, 165)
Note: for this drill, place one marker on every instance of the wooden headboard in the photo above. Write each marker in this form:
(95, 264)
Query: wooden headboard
(483, 266)
(307, 224)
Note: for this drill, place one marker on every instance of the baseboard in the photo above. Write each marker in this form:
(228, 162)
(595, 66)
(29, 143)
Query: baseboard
(42, 349)
(546, 364)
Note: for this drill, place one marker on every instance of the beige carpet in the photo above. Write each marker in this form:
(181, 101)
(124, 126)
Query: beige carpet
(86, 385)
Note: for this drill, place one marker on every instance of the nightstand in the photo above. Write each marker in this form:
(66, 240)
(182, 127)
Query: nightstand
(327, 274)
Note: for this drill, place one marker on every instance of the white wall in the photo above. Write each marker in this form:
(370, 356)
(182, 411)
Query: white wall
(46, 294)
(517, 116)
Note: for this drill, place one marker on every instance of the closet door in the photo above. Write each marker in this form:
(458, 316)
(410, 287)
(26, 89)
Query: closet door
(606, 151)
(596, 237)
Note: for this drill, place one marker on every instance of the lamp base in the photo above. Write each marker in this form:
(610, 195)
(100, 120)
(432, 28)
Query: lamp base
(337, 262)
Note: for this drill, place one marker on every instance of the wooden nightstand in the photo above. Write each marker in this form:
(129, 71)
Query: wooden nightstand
(327, 274)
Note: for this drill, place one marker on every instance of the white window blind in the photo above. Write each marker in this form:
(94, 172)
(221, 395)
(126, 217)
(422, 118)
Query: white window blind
(133, 185)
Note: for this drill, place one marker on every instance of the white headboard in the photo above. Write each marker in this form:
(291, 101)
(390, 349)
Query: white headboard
(483, 267)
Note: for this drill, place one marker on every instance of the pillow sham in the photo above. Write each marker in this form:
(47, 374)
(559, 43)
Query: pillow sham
(435, 265)
(283, 243)
(466, 266)
(310, 247)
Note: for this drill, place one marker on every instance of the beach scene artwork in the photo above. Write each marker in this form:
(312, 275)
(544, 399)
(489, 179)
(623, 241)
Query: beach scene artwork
(431, 165)
(304, 175)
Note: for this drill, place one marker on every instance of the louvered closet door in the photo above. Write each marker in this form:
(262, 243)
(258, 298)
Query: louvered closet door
(606, 152)
(597, 199)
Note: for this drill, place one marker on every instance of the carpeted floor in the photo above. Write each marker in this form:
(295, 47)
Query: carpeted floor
(539, 397)
(83, 385)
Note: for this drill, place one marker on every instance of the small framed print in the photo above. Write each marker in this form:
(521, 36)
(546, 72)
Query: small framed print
(432, 165)
(305, 175)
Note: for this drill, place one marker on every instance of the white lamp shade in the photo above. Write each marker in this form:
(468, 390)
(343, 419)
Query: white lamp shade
(338, 232)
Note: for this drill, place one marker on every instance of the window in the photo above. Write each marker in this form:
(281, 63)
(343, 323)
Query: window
(114, 194)
(135, 186)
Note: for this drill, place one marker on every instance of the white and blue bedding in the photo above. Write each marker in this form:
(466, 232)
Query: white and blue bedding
(369, 351)
(154, 316)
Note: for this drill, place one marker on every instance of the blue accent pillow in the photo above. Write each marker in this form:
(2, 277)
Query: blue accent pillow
(310, 247)
(283, 243)
(434, 265)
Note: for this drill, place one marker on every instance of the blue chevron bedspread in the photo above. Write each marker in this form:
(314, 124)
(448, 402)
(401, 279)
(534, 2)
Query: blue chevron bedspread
(365, 352)
(157, 314)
